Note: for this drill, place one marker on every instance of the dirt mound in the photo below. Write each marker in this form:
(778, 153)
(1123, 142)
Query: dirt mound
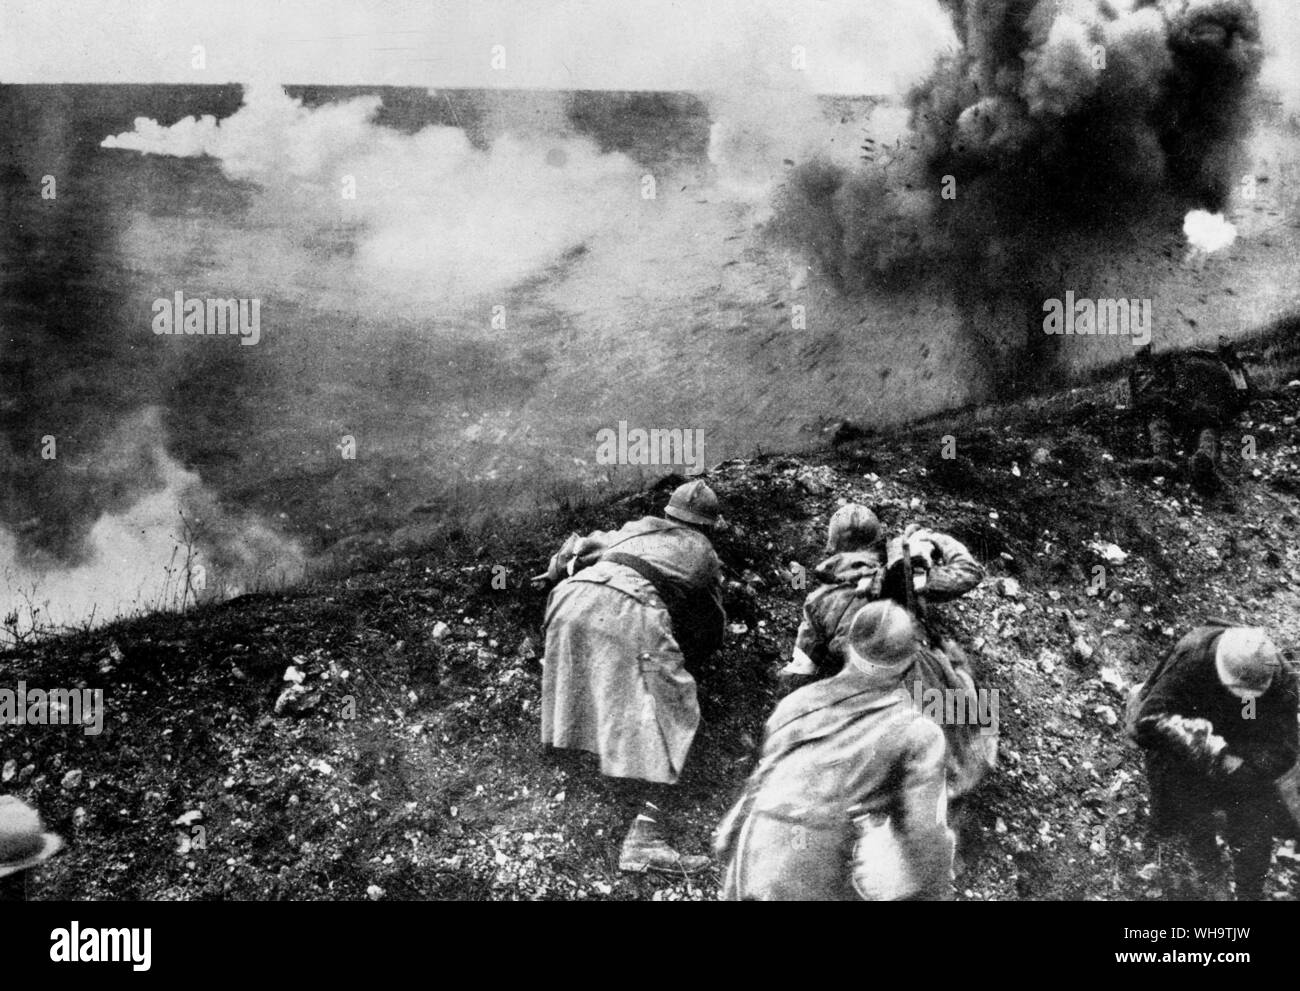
(377, 736)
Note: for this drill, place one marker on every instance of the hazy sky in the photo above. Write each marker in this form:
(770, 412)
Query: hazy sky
(851, 45)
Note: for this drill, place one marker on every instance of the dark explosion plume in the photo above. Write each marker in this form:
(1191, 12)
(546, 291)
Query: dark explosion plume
(1059, 123)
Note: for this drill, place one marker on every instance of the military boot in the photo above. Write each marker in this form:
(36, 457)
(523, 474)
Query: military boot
(1205, 462)
(646, 849)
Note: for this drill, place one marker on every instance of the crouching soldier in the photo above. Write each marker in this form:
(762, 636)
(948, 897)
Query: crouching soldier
(1196, 394)
(24, 845)
(1217, 719)
(846, 580)
(638, 607)
(941, 566)
(848, 801)
(941, 569)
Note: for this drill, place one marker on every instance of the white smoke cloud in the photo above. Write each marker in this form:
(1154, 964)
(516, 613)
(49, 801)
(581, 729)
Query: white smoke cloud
(1281, 30)
(175, 546)
(757, 129)
(435, 217)
(763, 77)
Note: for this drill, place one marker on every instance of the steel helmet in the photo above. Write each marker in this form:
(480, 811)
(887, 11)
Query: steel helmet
(1245, 660)
(693, 502)
(23, 841)
(853, 527)
(883, 638)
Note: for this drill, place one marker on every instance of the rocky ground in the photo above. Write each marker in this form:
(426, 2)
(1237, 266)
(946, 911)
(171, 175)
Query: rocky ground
(376, 736)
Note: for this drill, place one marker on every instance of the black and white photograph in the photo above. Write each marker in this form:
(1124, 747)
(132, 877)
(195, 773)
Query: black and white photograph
(651, 450)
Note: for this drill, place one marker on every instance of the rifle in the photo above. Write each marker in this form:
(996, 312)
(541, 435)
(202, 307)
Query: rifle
(899, 584)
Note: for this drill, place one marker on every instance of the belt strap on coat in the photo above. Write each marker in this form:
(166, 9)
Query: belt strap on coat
(683, 612)
(673, 600)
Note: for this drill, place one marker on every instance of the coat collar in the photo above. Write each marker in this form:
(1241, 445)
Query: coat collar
(851, 692)
(657, 524)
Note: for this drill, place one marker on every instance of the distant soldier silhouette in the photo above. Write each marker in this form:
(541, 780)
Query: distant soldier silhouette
(1192, 396)
(24, 845)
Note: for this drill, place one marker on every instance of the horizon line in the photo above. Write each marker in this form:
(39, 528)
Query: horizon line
(461, 88)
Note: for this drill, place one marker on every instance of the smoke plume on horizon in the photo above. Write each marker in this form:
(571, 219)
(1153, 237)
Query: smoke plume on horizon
(1052, 120)
(429, 217)
(174, 545)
